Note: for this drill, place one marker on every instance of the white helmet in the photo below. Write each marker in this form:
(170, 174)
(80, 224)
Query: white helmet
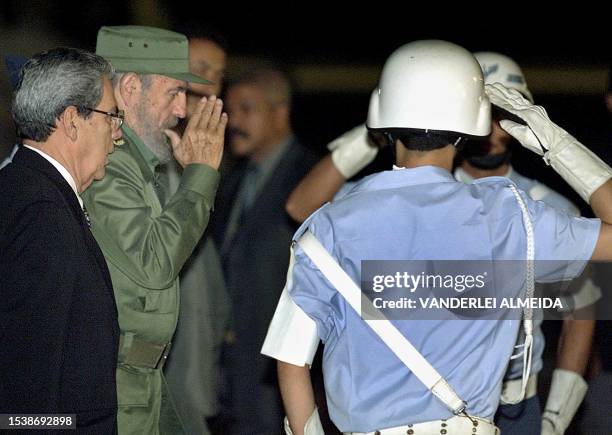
(431, 85)
(498, 68)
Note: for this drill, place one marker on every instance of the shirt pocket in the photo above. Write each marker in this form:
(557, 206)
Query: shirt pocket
(160, 301)
(133, 387)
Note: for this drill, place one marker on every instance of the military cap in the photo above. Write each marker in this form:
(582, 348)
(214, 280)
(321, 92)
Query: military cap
(146, 50)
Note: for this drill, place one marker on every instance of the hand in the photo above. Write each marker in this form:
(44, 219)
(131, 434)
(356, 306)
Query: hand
(540, 134)
(580, 167)
(352, 151)
(204, 135)
(313, 425)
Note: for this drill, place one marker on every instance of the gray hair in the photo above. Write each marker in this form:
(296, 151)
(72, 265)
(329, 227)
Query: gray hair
(50, 82)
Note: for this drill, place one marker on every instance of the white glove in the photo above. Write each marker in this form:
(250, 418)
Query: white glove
(351, 152)
(567, 390)
(582, 169)
(313, 425)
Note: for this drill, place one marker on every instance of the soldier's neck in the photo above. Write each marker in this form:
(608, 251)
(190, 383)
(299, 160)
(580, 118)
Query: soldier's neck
(442, 158)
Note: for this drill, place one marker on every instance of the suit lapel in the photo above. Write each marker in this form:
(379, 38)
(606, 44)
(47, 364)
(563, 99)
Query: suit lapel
(274, 191)
(34, 161)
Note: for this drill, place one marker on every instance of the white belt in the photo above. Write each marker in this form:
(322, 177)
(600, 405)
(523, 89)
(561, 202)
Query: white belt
(512, 388)
(458, 425)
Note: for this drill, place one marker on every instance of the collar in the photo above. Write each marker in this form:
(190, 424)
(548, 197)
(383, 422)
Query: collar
(462, 176)
(402, 177)
(61, 169)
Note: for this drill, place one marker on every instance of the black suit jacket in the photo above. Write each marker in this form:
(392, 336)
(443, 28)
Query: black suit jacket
(58, 319)
(257, 258)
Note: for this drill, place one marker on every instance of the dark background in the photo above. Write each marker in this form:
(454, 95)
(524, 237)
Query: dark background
(346, 44)
(566, 55)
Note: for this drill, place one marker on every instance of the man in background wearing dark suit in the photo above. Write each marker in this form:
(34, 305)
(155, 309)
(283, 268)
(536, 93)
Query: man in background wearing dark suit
(254, 233)
(58, 318)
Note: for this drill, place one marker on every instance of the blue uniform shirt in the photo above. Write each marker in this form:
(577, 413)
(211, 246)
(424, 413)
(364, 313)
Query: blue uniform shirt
(541, 192)
(423, 213)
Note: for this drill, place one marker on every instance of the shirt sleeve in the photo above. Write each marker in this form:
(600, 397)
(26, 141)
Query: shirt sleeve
(149, 246)
(292, 335)
(310, 289)
(563, 243)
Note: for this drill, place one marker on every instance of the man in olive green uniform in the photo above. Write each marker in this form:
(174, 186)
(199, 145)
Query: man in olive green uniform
(147, 234)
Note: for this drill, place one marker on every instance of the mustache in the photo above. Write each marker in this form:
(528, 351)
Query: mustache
(233, 131)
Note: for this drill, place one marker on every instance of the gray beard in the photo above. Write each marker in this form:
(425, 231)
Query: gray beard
(161, 147)
(153, 138)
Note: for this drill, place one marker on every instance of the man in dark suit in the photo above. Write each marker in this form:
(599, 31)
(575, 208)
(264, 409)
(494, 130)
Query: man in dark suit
(58, 318)
(254, 233)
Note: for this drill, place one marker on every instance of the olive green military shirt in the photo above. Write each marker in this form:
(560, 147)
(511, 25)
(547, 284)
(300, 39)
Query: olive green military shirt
(146, 242)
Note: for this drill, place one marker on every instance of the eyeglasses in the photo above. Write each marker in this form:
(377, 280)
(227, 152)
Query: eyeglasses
(116, 118)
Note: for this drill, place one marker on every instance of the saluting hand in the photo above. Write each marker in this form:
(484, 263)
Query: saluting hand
(202, 141)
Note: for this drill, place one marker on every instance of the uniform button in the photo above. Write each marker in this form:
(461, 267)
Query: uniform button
(377, 432)
(475, 422)
(443, 424)
(409, 431)
(443, 431)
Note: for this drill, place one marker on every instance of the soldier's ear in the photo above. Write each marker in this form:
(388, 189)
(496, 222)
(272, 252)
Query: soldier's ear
(130, 88)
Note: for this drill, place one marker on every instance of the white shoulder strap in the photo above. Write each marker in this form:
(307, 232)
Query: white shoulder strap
(388, 333)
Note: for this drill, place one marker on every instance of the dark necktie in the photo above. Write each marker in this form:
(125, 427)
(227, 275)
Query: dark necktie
(244, 201)
(250, 187)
